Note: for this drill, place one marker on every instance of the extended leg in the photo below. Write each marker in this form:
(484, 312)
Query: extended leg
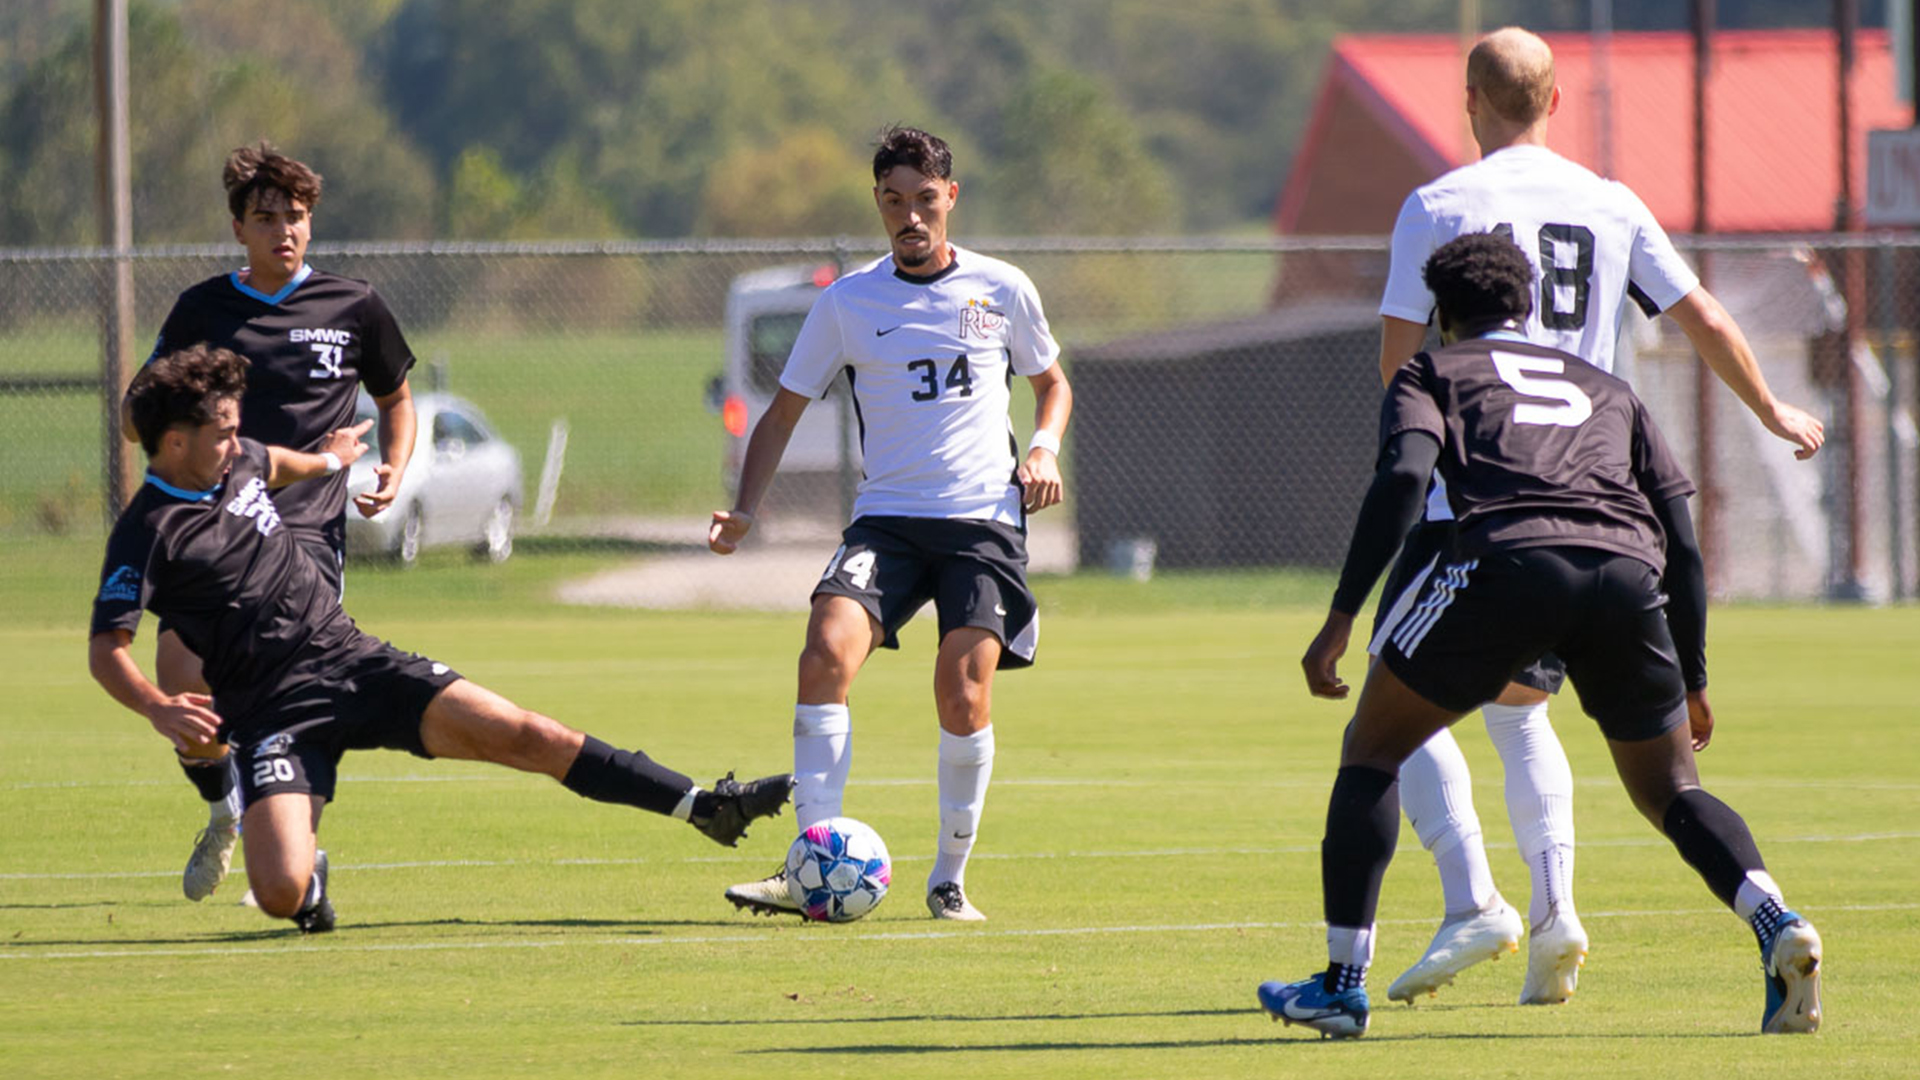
(1664, 783)
(470, 722)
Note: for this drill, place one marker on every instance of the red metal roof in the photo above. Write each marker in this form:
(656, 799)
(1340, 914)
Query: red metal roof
(1773, 153)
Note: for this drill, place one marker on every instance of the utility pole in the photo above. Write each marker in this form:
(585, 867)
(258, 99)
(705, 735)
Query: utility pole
(113, 173)
(1706, 474)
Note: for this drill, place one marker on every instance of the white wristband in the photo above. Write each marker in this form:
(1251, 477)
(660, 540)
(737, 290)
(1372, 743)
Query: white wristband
(333, 461)
(1044, 440)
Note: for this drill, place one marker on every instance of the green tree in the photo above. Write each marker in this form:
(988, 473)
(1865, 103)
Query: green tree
(1073, 163)
(810, 183)
(199, 89)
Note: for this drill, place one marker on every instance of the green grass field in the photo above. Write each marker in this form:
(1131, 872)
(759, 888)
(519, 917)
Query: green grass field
(1149, 855)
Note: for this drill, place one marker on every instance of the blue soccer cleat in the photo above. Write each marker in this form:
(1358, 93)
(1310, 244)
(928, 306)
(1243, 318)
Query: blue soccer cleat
(1307, 1002)
(1791, 961)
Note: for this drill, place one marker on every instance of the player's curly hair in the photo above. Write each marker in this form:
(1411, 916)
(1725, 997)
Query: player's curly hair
(183, 387)
(252, 169)
(1479, 278)
(924, 153)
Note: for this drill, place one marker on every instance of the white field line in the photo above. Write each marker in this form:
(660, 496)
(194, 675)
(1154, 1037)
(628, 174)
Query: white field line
(847, 935)
(1026, 856)
(1321, 783)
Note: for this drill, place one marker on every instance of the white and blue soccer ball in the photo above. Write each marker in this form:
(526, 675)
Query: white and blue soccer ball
(838, 870)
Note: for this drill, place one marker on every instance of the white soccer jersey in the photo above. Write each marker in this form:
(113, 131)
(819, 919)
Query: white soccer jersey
(930, 362)
(1592, 241)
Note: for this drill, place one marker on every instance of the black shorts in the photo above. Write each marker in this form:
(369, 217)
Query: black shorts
(1425, 549)
(975, 572)
(1478, 622)
(373, 701)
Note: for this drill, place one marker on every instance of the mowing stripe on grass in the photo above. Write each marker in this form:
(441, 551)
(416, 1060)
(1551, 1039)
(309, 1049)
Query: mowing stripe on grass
(495, 777)
(19, 952)
(1143, 853)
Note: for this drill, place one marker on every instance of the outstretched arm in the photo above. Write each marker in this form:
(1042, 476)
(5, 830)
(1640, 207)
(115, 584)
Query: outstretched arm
(1390, 509)
(187, 720)
(765, 447)
(1040, 481)
(1718, 340)
(342, 446)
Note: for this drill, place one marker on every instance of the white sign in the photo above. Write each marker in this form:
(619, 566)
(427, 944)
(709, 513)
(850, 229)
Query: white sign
(1893, 177)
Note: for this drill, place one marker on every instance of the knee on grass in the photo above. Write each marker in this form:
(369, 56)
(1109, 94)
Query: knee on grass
(279, 895)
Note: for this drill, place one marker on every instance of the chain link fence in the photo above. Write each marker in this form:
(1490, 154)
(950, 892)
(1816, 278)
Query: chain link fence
(1225, 392)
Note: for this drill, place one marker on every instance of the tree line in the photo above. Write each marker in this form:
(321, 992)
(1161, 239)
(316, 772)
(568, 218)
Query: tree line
(537, 119)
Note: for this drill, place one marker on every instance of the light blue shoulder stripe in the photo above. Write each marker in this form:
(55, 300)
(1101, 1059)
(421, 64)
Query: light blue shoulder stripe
(183, 493)
(300, 275)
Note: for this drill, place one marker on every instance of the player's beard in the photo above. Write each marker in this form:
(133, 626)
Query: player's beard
(914, 258)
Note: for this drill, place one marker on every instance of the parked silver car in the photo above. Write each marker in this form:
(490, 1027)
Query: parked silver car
(462, 486)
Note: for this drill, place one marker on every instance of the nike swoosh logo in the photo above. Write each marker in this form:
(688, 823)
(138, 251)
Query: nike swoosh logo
(884, 333)
(963, 836)
(1293, 1012)
(1000, 611)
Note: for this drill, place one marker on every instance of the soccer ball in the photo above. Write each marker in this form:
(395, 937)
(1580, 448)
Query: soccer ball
(838, 870)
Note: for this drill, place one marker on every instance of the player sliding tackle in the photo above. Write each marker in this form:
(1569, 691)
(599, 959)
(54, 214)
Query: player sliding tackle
(1563, 490)
(295, 683)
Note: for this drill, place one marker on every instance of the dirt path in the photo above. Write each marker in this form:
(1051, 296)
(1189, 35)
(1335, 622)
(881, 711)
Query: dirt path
(775, 576)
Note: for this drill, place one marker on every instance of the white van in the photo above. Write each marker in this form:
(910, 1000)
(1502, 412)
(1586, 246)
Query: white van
(822, 464)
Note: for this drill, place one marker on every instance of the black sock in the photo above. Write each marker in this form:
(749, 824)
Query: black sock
(621, 776)
(1767, 920)
(211, 778)
(1713, 840)
(1340, 977)
(1363, 824)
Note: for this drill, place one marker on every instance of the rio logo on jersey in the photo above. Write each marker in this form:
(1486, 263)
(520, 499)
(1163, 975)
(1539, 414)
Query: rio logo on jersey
(252, 502)
(329, 347)
(982, 320)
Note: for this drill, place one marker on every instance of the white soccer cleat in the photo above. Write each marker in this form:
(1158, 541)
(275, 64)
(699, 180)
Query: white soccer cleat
(1791, 961)
(212, 856)
(1556, 950)
(1458, 945)
(949, 901)
(768, 896)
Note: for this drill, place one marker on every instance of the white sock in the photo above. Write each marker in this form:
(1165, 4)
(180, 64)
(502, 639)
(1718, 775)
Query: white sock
(1539, 801)
(1350, 945)
(1758, 888)
(313, 893)
(225, 813)
(822, 757)
(1436, 793)
(683, 810)
(966, 765)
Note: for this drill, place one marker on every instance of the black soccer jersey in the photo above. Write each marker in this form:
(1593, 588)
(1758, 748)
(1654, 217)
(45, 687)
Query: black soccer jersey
(311, 345)
(1538, 448)
(221, 567)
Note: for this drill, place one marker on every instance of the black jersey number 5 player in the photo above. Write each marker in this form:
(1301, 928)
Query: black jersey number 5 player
(1572, 523)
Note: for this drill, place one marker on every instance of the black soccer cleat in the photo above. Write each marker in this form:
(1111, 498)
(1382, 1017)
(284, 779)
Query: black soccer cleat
(732, 805)
(317, 917)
